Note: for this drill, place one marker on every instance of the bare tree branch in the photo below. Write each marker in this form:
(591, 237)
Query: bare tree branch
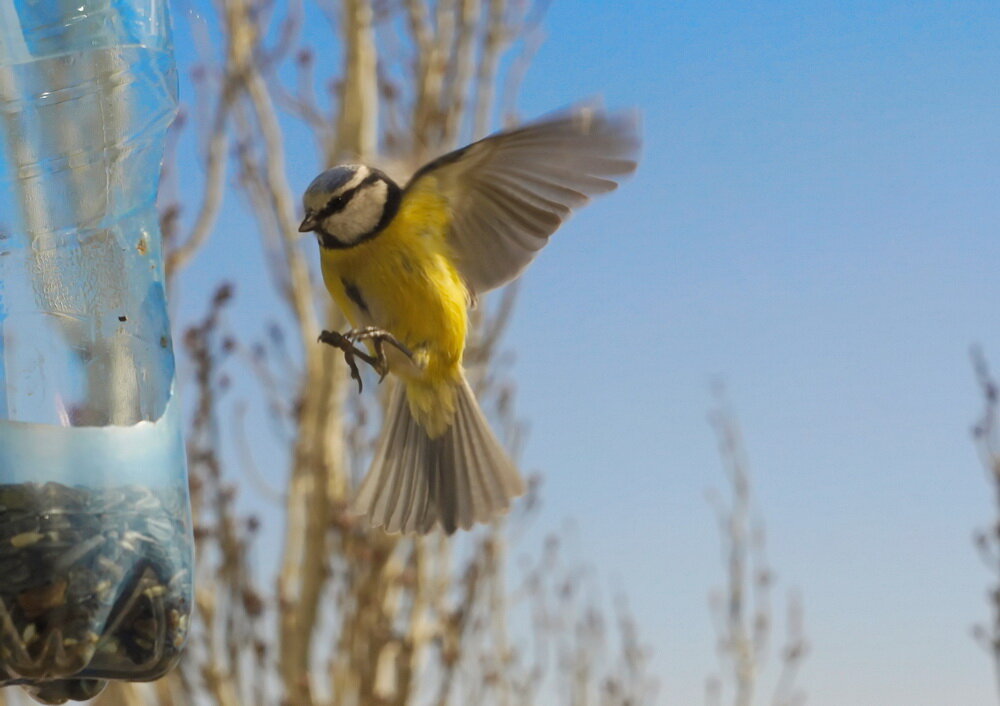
(741, 611)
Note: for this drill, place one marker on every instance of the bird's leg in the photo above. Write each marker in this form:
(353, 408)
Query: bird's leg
(378, 337)
(344, 343)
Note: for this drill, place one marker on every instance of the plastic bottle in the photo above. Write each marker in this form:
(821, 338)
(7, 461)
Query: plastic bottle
(95, 530)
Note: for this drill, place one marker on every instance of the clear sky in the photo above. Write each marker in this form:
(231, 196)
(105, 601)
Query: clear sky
(815, 221)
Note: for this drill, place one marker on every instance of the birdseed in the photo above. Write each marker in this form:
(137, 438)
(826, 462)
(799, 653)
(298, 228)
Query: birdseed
(95, 584)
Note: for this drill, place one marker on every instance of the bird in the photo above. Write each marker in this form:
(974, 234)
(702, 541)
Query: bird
(405, 264)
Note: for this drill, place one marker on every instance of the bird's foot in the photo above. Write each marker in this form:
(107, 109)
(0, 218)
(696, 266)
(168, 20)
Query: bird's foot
(378, 337)
(345, 344)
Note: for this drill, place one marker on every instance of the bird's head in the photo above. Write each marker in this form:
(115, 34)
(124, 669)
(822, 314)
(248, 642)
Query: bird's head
(349, 204)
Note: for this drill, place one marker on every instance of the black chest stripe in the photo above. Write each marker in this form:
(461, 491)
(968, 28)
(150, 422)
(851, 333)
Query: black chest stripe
(354, 294)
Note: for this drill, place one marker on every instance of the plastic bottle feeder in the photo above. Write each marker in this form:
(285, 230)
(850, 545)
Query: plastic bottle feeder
(95, 530)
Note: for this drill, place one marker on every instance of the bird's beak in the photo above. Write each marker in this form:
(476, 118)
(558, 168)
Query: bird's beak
(307, 225)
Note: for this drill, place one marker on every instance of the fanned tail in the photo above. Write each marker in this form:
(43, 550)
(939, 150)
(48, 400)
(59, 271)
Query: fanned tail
(462, 477)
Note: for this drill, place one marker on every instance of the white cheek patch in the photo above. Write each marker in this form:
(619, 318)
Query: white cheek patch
(361, 215)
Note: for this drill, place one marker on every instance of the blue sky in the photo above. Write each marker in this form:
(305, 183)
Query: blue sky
(814, 221)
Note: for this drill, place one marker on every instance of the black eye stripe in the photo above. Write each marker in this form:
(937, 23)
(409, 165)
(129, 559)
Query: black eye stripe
(338, 204)
(335, 205)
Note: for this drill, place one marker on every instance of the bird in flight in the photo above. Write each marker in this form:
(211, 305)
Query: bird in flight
(406, 263)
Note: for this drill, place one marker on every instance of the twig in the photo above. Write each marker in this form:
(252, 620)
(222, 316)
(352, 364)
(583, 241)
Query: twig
(741, 611)
(986, 434)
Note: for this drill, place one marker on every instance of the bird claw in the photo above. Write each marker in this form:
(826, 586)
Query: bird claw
(379, 337)
(344, 344)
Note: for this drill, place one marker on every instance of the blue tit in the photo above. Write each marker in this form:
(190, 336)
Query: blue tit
(405, 264)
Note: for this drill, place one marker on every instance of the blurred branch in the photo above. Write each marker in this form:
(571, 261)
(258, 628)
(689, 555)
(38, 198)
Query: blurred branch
(282, 202)
(243, 53)
(742, 609)
(494, 44)
(793, 653)
(458, 76)
(357, 120)
(986, 435)
(215, 177)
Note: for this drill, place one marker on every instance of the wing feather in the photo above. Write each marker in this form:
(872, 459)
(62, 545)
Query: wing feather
(509, 192)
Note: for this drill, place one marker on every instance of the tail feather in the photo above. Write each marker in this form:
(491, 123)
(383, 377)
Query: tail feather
(456, 480)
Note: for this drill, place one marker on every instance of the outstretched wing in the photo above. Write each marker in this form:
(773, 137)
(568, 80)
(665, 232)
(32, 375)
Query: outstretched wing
(510, 191)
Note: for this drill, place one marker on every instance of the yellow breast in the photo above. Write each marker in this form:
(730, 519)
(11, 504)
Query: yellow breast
(404, 281)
